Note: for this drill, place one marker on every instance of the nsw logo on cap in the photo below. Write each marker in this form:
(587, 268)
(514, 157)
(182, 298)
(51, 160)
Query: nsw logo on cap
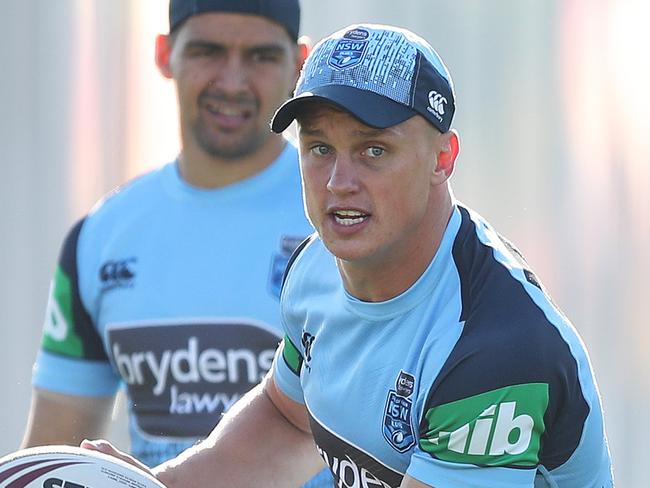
(349, 51)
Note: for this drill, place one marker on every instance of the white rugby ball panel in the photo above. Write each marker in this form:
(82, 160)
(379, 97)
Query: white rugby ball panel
(70, 467)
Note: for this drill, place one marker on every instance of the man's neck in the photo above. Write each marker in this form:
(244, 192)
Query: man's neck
(201, 170)
(383, 279)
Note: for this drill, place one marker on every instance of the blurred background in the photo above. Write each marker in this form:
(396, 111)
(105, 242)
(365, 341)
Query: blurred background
(553, 113)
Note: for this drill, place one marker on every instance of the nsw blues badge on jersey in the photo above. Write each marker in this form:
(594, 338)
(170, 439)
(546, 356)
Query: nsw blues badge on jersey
(349, 51)
(397, 428)
(279, 261)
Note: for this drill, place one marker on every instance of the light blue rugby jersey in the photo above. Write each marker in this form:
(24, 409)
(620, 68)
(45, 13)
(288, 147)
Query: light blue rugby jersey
(471, 377)
(176, 289)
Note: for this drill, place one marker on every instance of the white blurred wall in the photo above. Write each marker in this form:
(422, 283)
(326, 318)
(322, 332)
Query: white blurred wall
(82, 108)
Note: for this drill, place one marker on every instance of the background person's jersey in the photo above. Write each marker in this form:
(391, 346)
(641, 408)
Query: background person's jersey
(472, 377)
(173, 291)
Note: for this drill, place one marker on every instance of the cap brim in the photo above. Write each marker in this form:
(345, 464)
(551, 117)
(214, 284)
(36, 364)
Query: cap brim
(370, 108)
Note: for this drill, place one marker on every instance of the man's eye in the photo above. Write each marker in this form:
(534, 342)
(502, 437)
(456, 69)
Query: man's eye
(320, 150)
(201, 52)
(270, 56)
(374, 151)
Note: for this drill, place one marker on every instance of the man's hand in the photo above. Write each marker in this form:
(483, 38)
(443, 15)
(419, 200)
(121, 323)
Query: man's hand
(106, 447)
(263, 440)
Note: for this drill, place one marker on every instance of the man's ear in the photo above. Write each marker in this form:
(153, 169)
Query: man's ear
(163, 55)
(304, 48)
(449, 149)
(448, 153)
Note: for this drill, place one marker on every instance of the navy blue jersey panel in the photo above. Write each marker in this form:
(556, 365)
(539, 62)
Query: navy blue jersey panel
(93, 347)
(294, 255)
(508, 340)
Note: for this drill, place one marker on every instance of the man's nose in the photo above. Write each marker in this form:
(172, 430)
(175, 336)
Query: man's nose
(343, 177)
(231, 75)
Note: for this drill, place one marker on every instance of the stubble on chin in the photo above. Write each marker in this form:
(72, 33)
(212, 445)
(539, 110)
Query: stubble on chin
(226, 146)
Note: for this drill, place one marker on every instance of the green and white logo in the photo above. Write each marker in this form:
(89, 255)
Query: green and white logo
(59, 333)
(291, 355)
(501, 427)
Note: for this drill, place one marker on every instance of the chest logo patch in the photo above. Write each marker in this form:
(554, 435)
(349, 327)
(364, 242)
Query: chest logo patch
(279, 262)
(307, 341)
(117, 273)
(397, 428)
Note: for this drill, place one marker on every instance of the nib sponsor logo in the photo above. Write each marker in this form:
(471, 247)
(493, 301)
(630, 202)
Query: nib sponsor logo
(505, 432)
(57, 325)
(490, 433)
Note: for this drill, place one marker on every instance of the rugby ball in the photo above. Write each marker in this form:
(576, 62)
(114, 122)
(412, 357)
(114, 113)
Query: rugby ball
(70, 467)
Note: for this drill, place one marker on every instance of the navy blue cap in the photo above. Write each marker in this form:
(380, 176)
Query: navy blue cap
(284, 12)
(381, 74)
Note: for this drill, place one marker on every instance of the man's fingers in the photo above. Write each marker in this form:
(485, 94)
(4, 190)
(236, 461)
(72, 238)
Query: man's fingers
(106, 447)
(101, 445)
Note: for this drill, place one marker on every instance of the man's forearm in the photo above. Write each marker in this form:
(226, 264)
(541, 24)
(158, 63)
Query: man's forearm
(76, 417)
(253, 445)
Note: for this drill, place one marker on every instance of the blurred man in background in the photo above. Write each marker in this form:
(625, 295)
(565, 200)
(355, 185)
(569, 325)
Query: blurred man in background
(420, 349)
(170, 285)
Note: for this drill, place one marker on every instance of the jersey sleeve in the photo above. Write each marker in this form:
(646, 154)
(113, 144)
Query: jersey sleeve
(515, 403)
(72, 359)
(286, 370)
(288, 360)
(504, 404)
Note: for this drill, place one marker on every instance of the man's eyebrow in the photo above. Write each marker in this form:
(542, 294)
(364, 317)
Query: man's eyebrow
(198, 43)
(374, 132)
(362, 133)
(270, 47)
(310, 131)
(267, 47)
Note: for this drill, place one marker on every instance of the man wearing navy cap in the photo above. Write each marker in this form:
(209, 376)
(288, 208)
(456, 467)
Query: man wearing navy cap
(420, 349)
(170, 286)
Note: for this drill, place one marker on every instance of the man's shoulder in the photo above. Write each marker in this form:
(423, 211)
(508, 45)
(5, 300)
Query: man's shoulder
(311, 255)
(512, 330)
(132, 193)
(497, 285)
(307, 256)
(124, 207)
(311, 273)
